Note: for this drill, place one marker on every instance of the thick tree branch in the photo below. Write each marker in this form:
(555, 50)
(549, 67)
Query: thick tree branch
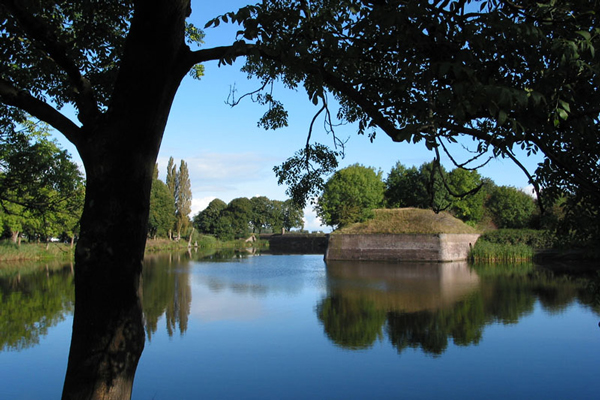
(39, 109)
(238, 49)
(44, 38)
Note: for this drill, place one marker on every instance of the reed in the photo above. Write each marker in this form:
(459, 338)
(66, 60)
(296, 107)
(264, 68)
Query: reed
(486, 252)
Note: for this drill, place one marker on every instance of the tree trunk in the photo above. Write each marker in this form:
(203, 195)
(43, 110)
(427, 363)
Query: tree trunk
(119, 151)
(108, 333)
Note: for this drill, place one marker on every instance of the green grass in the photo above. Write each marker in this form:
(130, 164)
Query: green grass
(486, 252)
(10, 251)
(203, 242)
(408, 221)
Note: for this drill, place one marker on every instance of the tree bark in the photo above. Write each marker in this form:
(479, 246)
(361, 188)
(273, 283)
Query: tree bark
(119, 151)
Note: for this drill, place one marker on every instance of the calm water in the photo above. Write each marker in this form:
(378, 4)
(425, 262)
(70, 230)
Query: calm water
(288, 327)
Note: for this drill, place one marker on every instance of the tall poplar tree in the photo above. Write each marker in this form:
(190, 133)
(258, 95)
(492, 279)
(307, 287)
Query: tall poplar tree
(183, 198)
(171, 180)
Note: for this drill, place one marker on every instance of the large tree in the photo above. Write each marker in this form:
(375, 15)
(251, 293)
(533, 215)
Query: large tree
(511, 74)
(350, 195)
(206, 220)
(162, 210)
(510, 208)
(41, 189)
(183, 198)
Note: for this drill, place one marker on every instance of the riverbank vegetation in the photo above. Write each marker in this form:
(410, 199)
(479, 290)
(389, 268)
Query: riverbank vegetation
(513, 223)
(10, 251)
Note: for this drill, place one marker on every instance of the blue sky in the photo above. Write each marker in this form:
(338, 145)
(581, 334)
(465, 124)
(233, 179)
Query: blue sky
(229, 156)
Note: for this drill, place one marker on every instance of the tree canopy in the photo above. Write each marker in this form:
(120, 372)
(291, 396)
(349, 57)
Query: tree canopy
(41, 189)
(350, 195)
(242, 217)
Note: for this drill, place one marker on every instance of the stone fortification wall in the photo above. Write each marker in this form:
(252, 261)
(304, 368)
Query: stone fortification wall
(298, 244)
(400, 247)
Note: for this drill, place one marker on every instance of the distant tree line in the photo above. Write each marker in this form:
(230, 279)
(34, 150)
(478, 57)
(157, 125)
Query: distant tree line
(352, 193)
(170, 202)
(243, 217)
(41, 189)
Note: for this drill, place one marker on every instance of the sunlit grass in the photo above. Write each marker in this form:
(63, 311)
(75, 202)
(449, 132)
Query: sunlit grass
(10, 251)
(408, 221)
(484, 251)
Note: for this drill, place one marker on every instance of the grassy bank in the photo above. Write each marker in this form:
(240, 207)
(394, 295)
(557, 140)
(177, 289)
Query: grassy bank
(10, 251)
(202, 242)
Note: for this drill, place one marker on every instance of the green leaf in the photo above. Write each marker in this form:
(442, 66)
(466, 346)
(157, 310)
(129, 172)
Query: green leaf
(565, 106)
(502, 116)
(585, 34)
(563, 114)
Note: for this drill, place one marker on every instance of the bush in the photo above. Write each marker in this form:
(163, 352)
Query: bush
(510, 208)
(538, 239)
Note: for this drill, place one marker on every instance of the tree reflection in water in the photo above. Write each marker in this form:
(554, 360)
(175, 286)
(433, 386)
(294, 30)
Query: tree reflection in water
(167, 287)
(33, 298)
(424, 306)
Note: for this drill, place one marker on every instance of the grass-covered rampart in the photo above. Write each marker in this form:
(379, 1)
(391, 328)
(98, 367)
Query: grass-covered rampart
(408, 221)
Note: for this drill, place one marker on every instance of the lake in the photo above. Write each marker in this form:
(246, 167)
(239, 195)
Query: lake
(252, 326)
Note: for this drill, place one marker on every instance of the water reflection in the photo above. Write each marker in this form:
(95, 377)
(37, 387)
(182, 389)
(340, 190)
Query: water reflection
(33, 298)
(405, 287)
(426, 306)
(166, 291)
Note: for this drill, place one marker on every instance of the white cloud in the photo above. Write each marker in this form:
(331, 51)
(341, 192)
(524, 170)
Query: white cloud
(529, 190)
(199, 204)
(312, 222)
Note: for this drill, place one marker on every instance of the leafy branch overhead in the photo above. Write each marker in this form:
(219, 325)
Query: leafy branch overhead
(508, 75)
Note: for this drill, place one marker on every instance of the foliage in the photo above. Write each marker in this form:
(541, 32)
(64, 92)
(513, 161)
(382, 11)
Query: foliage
(41, 189)
(170, 201)
(468, 196)
(183, 198)
(405, 187)
(303, 173)
(236, 219)
(243, 216)
(538, 239)
(430, 186)
(510, 207)
(580, 222)
(434, 179)
(162, 210)
(293, 215)
(260, 215)
(206, 220)
(350, 195)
